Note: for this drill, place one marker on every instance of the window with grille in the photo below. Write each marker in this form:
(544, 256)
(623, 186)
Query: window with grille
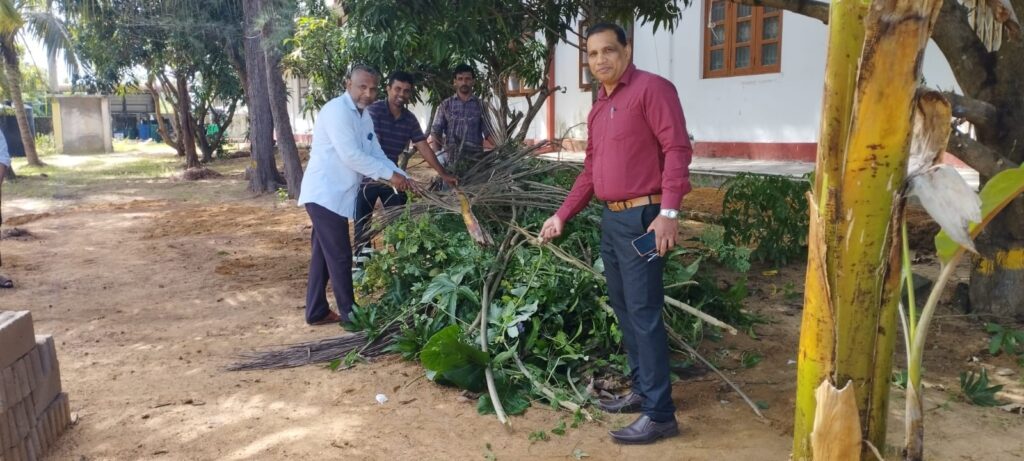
(741, 39)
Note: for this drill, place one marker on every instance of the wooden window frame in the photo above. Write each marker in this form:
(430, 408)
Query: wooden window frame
(583, 67)
(729, 46)
(521, 92)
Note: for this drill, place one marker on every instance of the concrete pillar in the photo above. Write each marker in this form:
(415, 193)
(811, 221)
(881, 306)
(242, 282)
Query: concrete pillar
(82, 124)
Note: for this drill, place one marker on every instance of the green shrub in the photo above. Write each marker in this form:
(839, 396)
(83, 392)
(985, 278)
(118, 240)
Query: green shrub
(768, 213)
(45, 145)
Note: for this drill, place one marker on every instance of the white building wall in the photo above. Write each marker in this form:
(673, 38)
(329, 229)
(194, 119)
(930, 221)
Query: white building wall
(770, 108)
(783, 107)
(780, 107)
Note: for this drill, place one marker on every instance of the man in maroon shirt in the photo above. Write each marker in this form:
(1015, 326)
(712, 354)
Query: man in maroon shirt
(638, 155)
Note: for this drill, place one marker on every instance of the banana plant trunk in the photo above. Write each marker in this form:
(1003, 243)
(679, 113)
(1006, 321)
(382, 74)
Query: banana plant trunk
(852, 287)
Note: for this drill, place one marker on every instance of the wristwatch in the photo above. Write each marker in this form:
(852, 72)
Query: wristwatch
(669, 213)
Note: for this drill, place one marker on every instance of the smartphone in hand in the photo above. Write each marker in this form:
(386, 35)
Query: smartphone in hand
(646, 246)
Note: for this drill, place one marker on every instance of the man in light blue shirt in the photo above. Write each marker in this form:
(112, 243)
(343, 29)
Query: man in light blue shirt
(345, 149)
(5, 158)
(5, 164)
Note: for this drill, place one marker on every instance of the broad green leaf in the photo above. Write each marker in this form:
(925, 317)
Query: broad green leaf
(447, 350)
(995, 343)
(469, 377)
(996, 195)
(514, 403)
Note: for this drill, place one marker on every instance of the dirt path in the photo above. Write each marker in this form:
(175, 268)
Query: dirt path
(150, 291)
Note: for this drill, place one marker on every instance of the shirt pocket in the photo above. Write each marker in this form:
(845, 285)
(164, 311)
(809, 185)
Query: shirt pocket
(625, 125)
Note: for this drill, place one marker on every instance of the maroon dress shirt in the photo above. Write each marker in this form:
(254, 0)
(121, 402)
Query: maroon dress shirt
(637, 145)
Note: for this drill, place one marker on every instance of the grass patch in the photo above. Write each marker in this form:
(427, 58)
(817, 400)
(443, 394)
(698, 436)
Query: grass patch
(146, 147)
(65, 175)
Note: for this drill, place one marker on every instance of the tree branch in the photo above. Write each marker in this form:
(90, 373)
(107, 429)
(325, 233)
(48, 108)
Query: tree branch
(972, 64)
(987, 161)
(810, 8)
(980, 113)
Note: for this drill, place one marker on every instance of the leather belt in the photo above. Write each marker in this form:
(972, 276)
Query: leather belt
(653, 199)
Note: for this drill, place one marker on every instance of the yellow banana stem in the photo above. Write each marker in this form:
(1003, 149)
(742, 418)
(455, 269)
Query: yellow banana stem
(861, 169)
(845, 44)
(873, 175)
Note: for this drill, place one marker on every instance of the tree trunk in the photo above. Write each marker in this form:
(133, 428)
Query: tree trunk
(11, 63)
(203, 107)
(205, 146)
(161, 126)
(187, 136)
(278, 95)
(170, 92)
(997, 278)
(265, 176)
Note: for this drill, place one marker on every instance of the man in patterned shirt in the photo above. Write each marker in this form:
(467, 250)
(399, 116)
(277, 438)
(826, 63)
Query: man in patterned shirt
(396, 127)
(461, 125)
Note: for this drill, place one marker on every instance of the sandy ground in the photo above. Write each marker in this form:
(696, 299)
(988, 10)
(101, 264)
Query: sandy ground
(152, 286)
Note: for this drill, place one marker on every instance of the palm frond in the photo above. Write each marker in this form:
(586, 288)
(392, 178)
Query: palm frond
(50, 30)
(10, 17)
(494, 183)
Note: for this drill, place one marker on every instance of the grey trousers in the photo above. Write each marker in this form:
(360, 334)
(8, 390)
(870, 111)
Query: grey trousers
(636, 293)
(331, 259)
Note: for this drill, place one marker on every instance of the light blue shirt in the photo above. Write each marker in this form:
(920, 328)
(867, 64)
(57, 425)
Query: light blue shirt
(345, 149)
(5, 156)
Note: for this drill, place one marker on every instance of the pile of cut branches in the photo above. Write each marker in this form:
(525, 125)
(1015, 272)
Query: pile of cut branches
(515, 320)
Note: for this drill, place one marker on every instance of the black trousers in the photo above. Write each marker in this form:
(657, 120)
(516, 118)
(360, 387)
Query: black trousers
(331, 260)
(366, 201)
(636, 293)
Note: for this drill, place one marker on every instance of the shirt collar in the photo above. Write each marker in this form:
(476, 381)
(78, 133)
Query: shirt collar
(627, 77)
(347, 99)
(382, 108)
(472, 98)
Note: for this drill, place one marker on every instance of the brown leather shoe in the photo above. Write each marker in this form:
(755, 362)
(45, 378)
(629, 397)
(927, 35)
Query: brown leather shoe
(629, 403)
(331, 317)
(644, 431)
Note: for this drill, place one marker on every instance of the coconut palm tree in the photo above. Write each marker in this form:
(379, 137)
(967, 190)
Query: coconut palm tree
(35, 17)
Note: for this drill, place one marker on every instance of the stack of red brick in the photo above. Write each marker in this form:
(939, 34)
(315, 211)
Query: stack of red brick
(33, 410)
